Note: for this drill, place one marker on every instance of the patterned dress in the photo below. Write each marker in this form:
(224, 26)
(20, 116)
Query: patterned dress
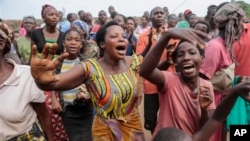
(58, 128)
(56, 119)
(35, 134)
(115, 98)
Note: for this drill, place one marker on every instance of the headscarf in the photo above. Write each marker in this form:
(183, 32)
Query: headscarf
(231, 14)
(229, 11)
(46, 8)
(7, 35)
(83, 25)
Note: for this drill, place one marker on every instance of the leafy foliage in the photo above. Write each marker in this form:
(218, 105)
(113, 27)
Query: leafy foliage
(245, 6)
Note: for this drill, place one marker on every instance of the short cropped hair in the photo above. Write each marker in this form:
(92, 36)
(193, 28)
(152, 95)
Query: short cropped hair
(171, 134)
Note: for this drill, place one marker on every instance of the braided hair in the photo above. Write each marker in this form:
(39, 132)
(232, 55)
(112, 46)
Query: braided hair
(231, 14)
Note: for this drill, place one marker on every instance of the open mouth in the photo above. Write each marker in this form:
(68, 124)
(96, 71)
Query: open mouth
(121, 50)
(188, 68)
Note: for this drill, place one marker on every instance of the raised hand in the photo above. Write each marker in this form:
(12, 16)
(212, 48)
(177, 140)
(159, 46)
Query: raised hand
(42, 69)
(191, 35)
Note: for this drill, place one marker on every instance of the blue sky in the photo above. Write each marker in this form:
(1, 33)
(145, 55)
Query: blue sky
(16, 9)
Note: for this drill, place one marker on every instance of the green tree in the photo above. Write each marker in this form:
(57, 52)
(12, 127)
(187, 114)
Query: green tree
(245, 6)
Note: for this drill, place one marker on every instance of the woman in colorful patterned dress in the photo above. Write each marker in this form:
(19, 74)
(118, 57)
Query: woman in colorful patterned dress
(112, 81)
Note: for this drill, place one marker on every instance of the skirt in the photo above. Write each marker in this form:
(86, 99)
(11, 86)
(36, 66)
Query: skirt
(128, 128)
(35, 134)
(58, 128)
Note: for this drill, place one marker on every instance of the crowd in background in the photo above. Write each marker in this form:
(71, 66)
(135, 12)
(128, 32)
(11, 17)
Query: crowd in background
(74, 78)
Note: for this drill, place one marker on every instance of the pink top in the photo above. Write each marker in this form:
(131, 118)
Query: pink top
(179, 106)
(216, 57)
(242, 53)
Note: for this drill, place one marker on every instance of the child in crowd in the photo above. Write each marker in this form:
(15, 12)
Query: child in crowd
(75, 106)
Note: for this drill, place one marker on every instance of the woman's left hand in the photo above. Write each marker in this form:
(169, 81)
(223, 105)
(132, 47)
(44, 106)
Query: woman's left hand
(42, 69)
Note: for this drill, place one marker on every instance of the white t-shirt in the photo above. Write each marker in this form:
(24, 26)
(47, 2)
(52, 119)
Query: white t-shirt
(16, 95)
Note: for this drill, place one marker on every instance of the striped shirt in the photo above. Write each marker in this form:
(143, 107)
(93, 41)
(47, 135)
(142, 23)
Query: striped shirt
(70, 95)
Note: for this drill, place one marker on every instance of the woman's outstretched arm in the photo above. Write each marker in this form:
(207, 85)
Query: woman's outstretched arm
(42, 70)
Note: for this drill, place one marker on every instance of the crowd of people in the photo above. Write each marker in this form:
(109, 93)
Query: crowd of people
(77, 79)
